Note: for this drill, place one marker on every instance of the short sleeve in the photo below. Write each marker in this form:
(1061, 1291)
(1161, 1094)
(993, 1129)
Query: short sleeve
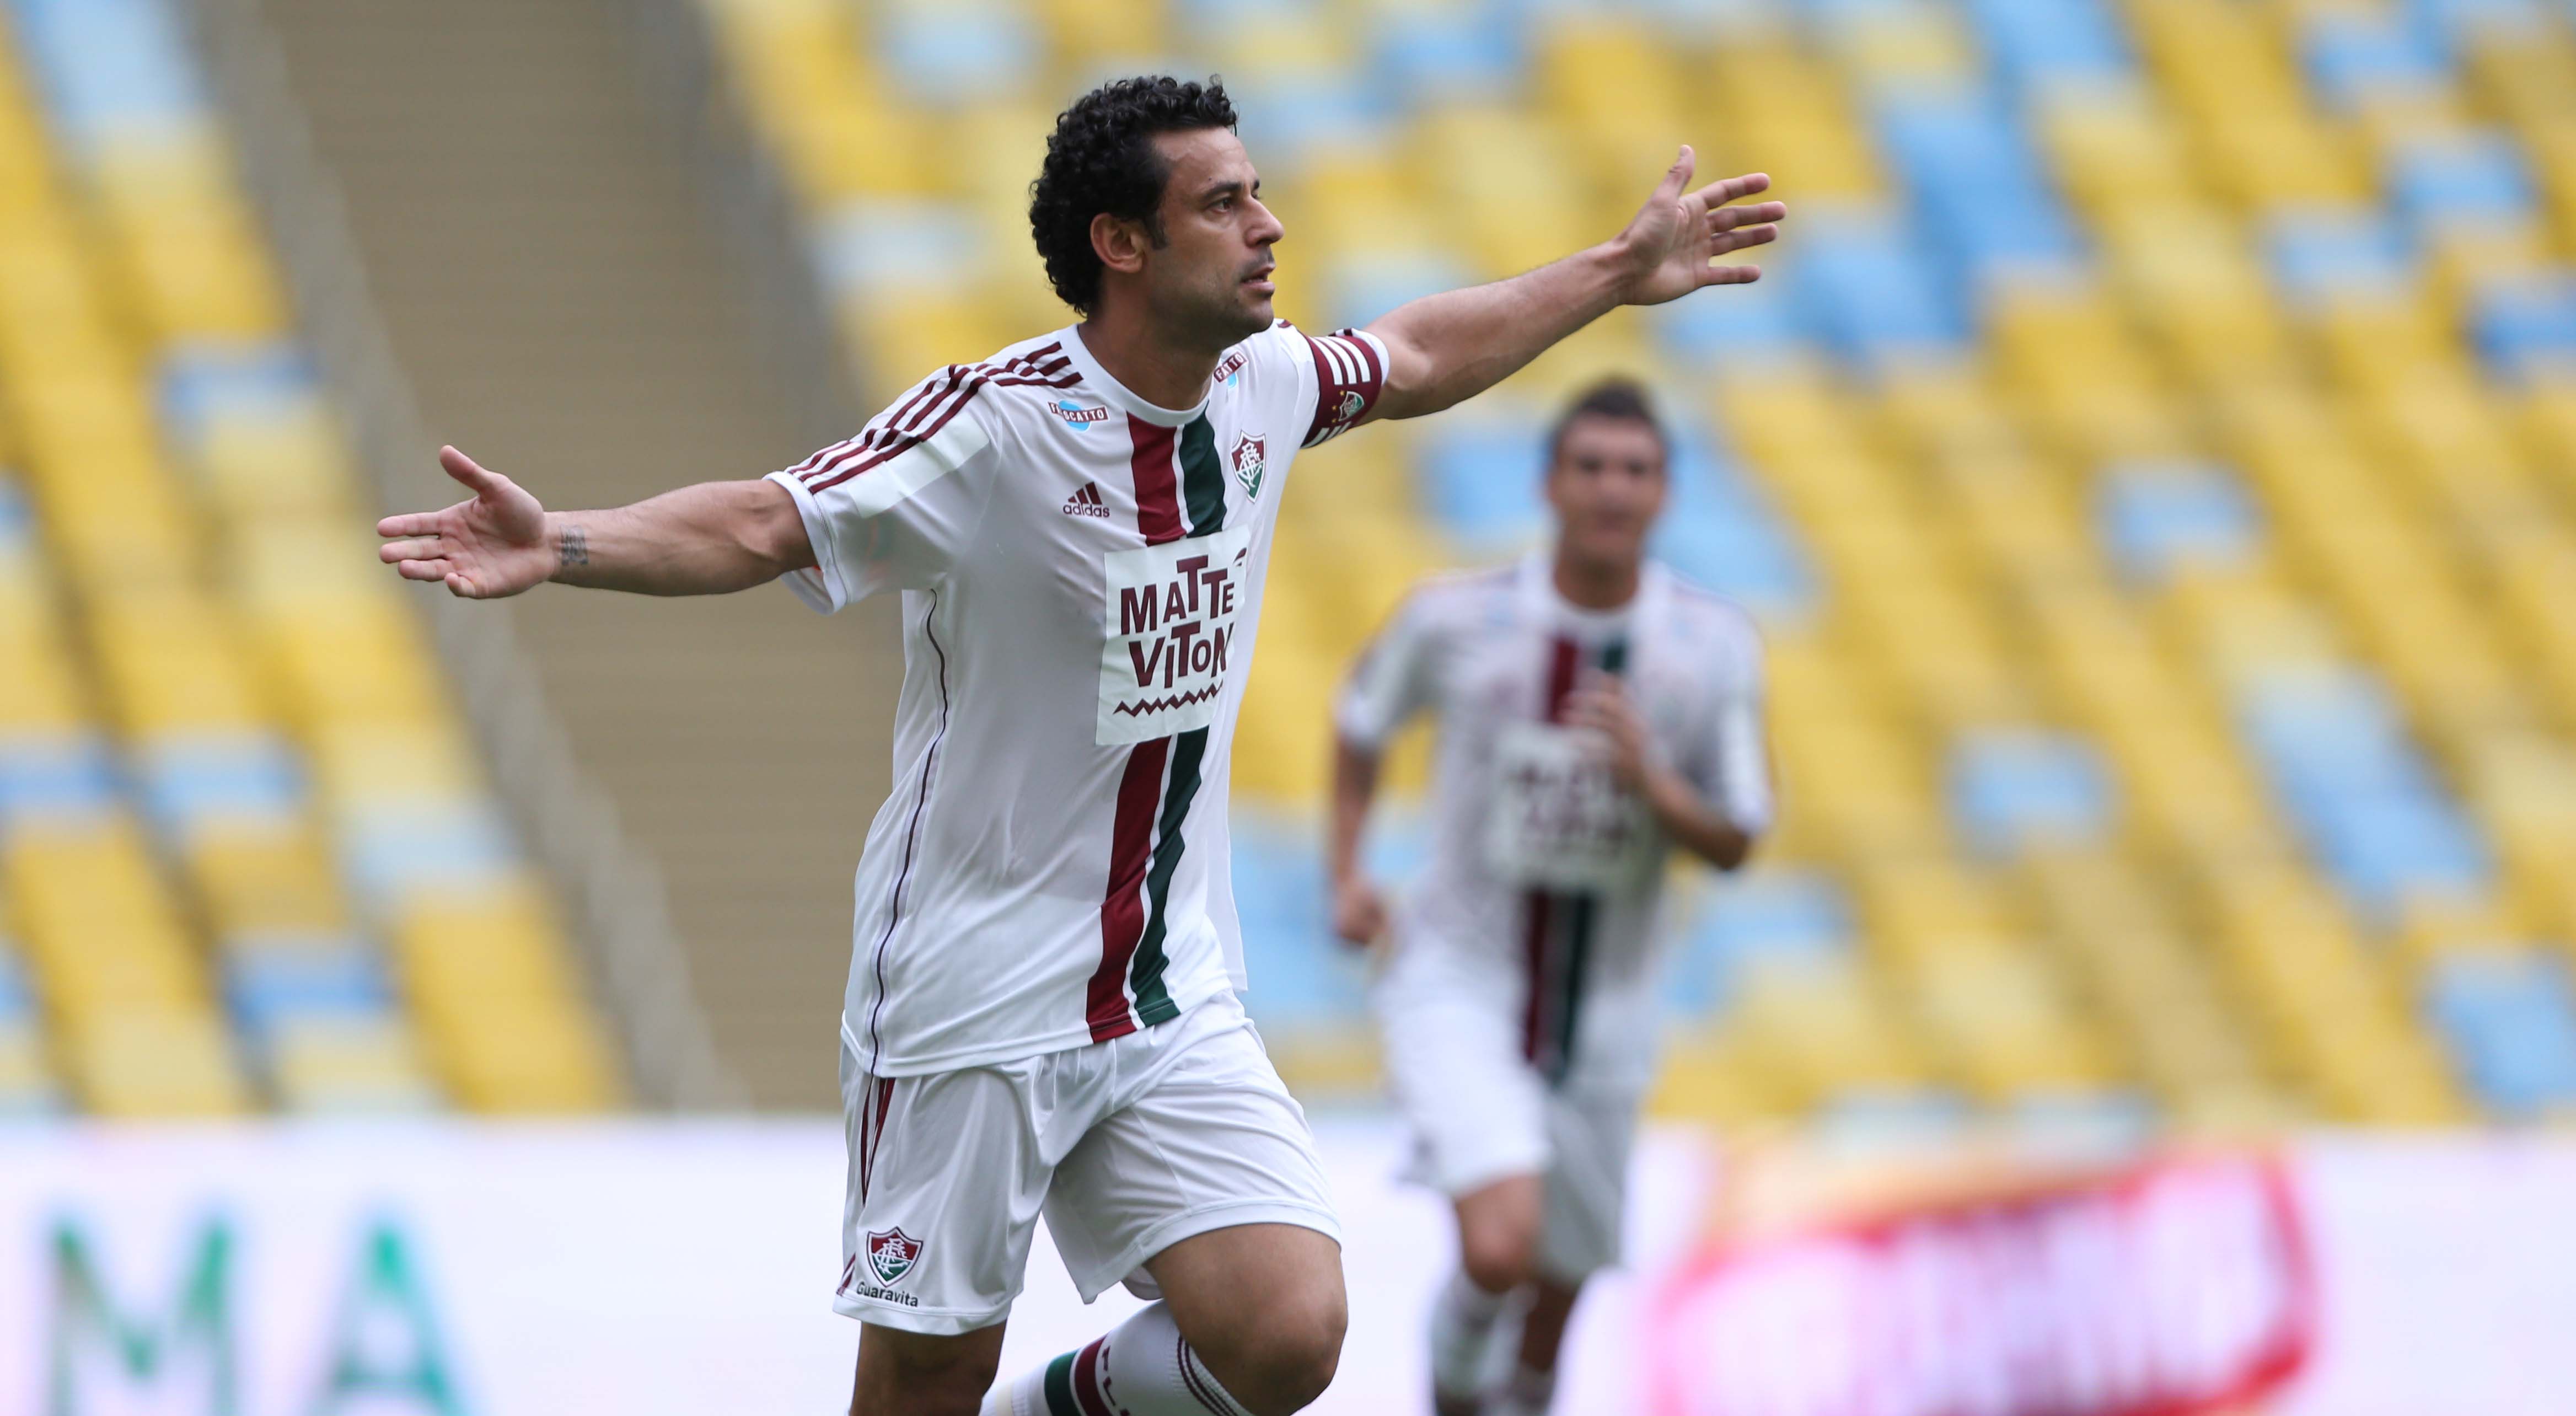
(892, 506)
(1391, 681)
(1350, 373)
(1733, 765)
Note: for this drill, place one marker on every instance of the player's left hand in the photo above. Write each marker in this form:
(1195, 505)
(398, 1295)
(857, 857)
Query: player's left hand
(1602, 705)
(1672, 245)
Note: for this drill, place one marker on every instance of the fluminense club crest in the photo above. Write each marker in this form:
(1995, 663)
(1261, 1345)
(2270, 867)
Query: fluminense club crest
(891, 1254)
(1248, 465)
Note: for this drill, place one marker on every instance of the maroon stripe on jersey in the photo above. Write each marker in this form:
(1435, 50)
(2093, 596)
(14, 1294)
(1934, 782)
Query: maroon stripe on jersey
(954, 405)
(1368, 356)
(911, 834)
(867, 1105)
(1158, 496)
(1325, 379)
(1086, 1381)
(1537, 905)
(1122, 909)
(875, 1146)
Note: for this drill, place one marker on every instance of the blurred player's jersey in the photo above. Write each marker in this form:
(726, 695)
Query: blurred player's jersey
(1081, 575)
(1542, 892)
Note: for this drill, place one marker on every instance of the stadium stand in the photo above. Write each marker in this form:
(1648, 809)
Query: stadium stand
(2152, 455)
(247, 857)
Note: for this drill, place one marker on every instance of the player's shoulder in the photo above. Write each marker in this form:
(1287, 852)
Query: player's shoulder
(1034, 373)
(1701, 613)
(1456, 598)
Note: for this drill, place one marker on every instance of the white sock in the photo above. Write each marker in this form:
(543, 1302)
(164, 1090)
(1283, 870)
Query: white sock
(1462, 1330)
(1140, 1368)
(1527, 1392)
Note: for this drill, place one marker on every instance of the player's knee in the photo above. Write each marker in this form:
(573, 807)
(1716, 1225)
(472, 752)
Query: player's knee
(1292, 1353)
(913, 1377)
(1497, 1257)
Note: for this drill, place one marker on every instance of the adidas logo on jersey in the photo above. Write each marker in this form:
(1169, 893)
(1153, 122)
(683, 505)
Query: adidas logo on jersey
(1087, 502)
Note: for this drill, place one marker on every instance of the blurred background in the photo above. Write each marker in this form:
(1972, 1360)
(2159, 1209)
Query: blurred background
(2151, 456)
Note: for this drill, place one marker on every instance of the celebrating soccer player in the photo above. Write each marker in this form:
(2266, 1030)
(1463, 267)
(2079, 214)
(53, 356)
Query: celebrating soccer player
(1594, 710)
(1042, 1010)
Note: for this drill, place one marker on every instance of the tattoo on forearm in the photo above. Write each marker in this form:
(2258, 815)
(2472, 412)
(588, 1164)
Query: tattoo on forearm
(573, 547)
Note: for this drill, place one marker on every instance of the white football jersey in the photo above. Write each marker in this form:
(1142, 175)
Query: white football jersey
(1545, 876)
(1081, 575)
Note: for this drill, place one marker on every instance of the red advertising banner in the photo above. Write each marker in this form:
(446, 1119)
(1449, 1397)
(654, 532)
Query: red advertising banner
(2176, 1287)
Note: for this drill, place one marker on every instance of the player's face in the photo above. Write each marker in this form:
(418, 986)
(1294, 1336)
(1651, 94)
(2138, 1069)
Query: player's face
(1210, 279)
(1607, 486)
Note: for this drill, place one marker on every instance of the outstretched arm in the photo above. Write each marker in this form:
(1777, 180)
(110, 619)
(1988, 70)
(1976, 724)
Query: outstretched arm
(708, 539)
(1444, 349)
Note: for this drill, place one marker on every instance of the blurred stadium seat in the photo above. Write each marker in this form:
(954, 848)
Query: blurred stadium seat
(230, 774)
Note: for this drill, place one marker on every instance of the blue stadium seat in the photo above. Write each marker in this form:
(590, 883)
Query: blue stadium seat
(1481, 469)
(2010, 788)
(1363, 286)
(2158, 516)
(17, 1001)
(957, 51)
(445, 845)
(901, 246)
(1292, 115)
(53, 775)
(1872, 293)
(112, 71)
(1977, 188)
(2509, 1023)
(206, 385)
(1427, 57)
(268, 987)
(1300, 973)
(2368, 807)
(2051, 44)
(2317, 255)
(2439, 180)
(2525, 325)
(2350, 57)
(1755, 325)
(194, 781)
(1719, 530)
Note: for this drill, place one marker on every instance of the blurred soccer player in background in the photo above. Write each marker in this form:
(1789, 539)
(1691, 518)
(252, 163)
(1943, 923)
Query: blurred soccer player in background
(1594, 711)
(1042, 1010)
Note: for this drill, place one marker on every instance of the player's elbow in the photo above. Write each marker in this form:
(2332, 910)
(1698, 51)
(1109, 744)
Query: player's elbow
(770, 533)
(1731, 849)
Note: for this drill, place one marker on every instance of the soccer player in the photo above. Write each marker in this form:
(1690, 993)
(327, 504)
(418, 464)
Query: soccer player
(1042, 1010)
(1594, 711)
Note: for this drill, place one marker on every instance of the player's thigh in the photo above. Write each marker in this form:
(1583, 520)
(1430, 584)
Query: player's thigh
(1584, 1200)
(1210, 1140)
(1475, 1106)
(946, 1179)
(904, 1373)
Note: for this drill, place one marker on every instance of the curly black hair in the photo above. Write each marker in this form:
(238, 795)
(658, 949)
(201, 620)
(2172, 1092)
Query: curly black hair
(1101, 158)
(1624, 400)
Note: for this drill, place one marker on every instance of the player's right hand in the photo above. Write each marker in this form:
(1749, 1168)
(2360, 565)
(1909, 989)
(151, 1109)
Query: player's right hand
(1359, 912)
(490, 545)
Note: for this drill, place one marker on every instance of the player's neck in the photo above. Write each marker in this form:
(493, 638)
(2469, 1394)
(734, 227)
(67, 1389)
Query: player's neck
(1150, 366)
(1595, 585)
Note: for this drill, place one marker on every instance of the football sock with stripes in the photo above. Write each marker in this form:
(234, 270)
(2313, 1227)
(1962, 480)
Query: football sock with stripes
(1462, 1331)
(1142, 1367)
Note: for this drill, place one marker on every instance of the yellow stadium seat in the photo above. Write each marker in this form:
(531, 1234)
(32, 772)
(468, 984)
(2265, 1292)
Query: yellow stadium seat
(276, 879)
(155, 1063)
(172, 662)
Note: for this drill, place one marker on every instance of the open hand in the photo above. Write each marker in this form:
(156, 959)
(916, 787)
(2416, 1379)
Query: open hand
(1673, 242)
(490, 545)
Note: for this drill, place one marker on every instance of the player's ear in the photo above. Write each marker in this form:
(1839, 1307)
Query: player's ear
(1120, 245)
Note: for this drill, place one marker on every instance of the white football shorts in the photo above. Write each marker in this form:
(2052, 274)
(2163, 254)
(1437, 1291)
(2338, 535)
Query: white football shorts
(1128, 1146)
(1480, 1112)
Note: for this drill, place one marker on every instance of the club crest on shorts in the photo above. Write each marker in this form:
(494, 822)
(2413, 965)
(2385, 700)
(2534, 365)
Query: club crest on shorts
(891, 1254)
(1248, 465)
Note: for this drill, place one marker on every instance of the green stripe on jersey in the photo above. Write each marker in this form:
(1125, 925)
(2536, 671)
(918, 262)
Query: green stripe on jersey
(1202, 479)
(1145, 972)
